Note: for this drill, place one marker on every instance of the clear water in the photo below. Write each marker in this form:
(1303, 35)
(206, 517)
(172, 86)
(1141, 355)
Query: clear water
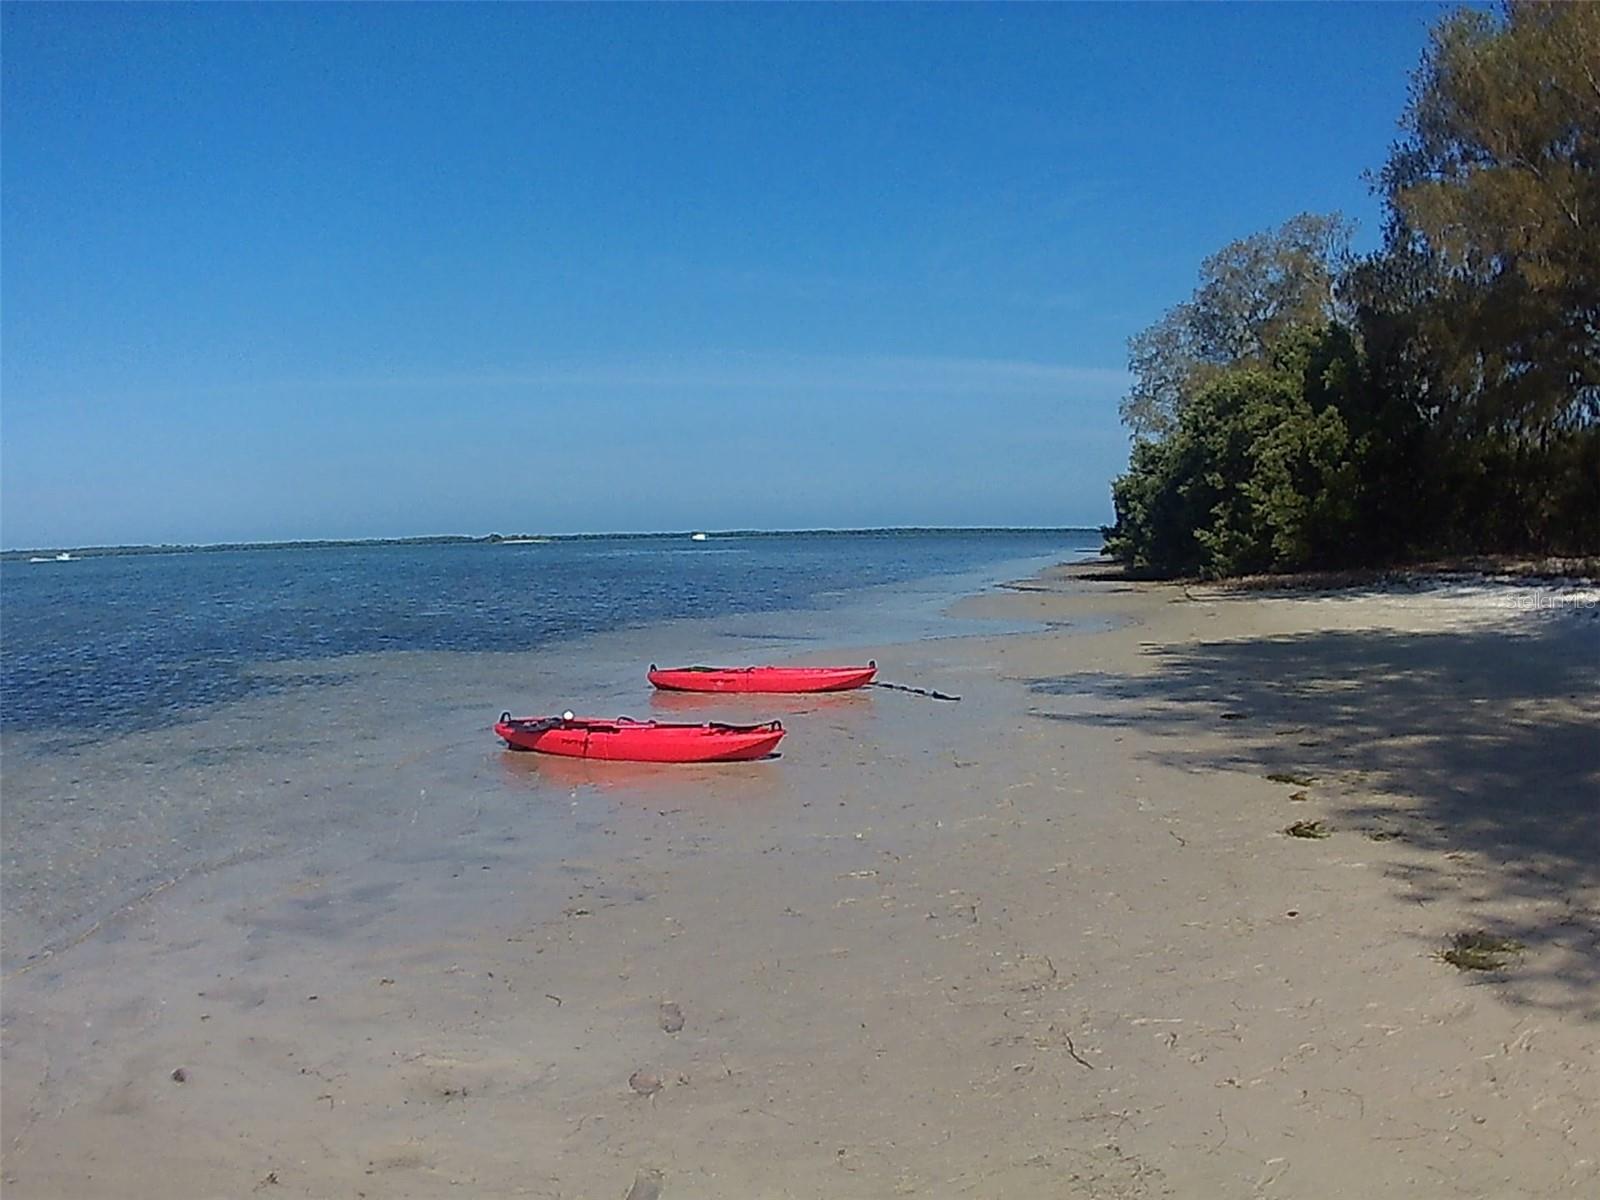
(138, 642)
(232, 720)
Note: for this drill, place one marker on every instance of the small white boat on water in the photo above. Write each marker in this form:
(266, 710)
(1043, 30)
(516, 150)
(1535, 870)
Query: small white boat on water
(62, 557)
(697, 537)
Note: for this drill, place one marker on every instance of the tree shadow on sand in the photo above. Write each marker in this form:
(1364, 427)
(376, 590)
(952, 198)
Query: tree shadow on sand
(1480, 748)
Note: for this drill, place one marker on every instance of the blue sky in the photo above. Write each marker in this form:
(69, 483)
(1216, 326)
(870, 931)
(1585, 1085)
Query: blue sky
(365, 271)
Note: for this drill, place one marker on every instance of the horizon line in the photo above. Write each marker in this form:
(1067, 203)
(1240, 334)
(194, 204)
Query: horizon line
(522, 536)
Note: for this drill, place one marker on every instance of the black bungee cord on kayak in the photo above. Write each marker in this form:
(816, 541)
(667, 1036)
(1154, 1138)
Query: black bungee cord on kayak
(538, 725)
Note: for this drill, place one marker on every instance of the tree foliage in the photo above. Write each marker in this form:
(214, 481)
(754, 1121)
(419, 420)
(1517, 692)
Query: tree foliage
(1441, 395)
(1496, 183)
(1251, 293)
(1259, 471)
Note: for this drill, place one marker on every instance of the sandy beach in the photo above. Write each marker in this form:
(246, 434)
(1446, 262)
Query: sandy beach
(1050, 941)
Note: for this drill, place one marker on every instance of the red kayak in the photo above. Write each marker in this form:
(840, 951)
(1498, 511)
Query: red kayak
(627, 740)
(762, 679)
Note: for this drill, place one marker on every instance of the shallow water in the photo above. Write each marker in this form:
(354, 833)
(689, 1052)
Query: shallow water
(136, 642)
(322, 744)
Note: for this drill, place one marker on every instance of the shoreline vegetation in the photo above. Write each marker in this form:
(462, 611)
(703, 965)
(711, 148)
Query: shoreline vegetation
(1488, 567)
(1308, 408)
(498, 539)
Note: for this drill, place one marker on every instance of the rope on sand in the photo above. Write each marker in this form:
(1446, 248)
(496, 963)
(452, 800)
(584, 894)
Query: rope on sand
(916, 691)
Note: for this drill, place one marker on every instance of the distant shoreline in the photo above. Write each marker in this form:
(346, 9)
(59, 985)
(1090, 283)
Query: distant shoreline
(496, 539)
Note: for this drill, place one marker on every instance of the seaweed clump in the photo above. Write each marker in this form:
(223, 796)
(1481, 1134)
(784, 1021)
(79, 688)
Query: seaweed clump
(1479, 951)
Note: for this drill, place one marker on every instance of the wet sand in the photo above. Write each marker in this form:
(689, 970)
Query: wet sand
(1050, 941)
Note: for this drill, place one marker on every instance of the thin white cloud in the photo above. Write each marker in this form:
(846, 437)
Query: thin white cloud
(840, 379)
(878, 375)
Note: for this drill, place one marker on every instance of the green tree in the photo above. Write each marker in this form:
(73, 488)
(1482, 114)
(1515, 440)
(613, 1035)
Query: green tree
(1442, 395)
(1259, 472)
(1251, 293)
(1496, 184)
